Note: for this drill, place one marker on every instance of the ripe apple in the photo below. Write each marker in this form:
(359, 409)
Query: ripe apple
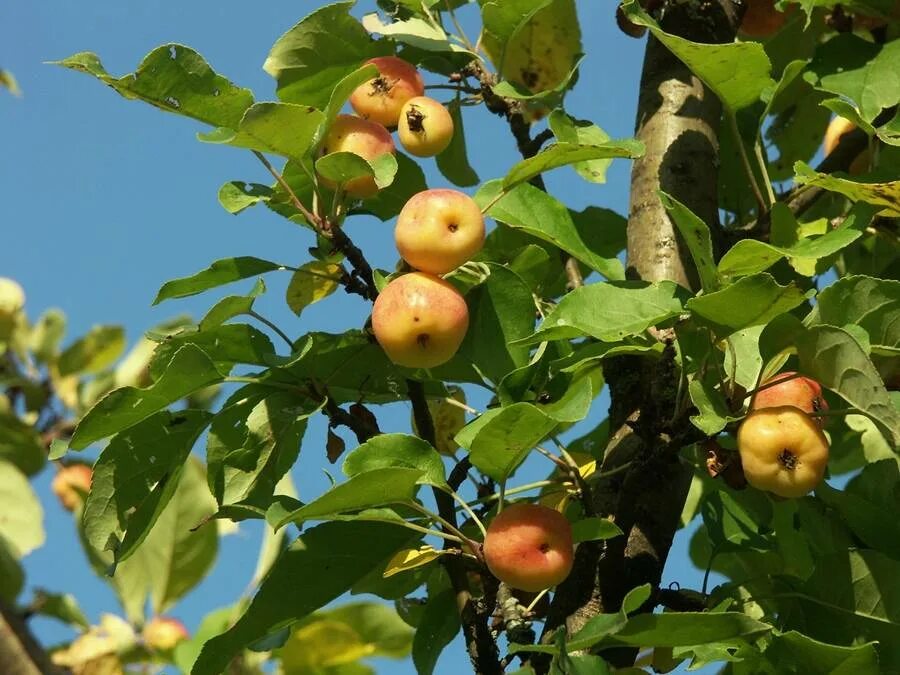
(798, 391)
(369, 140)
(162, 633)
(529, 547)
(761, 19)
(381, 98)
(782, 451)
(438, 230)
(420, 320)
(836, 129)
(71, 483)
(425, 127)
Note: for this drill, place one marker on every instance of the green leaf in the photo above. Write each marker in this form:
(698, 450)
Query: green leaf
(836, 360)
(231, 306)
(283, 129)
(884, 195)
(312, 282)
(331, 639)
(94, 352)
(564, 154)
(189, 370)
(500, 439)
(453, 161)
(594, 529)
(738, 72)
(219, 273)
(12, 576)
(389, 201)
(396, 450)
(9, 82)
(326, 360)
(731, 523)
(336, 555)
(795, 652)
(323, 48)
(611, 311)
(21, 444)
(62, 607)
(533, 43)
(714, 412)
(750, 301)
(236, 195)
(750, 256)
(695, 234)
(253, 442)
(46, 334)
(176, 79)
(224, 345)
(527, 208)
(343, 167)
(135, 478)
(853, 596)
(437, 628)
(174, 558)
(869, 303)
(389, 485)
(22, 524)
(685, 629)
(569, 130)
(501, 310)
(341, 93)
(861, 71)
(415, 32)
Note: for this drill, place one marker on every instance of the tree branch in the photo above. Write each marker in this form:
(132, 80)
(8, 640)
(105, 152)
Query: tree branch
(20, 652)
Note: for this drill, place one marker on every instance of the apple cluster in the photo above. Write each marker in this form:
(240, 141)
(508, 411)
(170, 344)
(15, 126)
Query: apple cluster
(782, 447)
(419, 319)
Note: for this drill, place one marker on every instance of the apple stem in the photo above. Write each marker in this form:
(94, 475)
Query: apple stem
(501, 496)
(537, 598)
(313, 219)
(428, 530)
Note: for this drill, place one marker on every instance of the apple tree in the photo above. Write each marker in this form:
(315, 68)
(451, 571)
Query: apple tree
(742, 258)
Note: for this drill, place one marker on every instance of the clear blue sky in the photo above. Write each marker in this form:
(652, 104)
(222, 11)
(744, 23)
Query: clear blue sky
(104, 199)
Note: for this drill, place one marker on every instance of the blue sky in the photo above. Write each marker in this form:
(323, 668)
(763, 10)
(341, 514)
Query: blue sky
(105, 199)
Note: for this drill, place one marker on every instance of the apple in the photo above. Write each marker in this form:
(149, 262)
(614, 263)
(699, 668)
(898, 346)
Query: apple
(71, 483)
(381, 98)
(420, 320)
(762, 19)
(836, 129)
(792, 389)
(529, 547)
(367, 139)
(438, 230)
(425, 127)
(783, 451)
(162, 633)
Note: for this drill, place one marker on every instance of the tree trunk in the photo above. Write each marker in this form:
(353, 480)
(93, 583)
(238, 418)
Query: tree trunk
(677, 119)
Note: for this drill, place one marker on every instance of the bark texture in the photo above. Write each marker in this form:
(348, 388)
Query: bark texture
(677, 119)
(20, 653)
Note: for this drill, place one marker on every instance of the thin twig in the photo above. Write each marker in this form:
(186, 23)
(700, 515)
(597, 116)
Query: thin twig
(280, 333)
(745, 160)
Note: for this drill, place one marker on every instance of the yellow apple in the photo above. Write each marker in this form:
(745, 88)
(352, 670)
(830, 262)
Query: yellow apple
(367, 139)
(420, 320)
(783, 451)
(529, 547)
(381, 98)
(71, 483)
(438, 230)
(425, 127)
(162, 633)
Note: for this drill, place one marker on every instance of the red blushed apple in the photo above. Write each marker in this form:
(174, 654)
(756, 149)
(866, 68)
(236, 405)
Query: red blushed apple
(369, 140)
(783, 451)
(425, 127)
(380, 99)
(762, 19)
(420, 320)
(439, 230)
(791, 389)
(71, 483)
(529, 547)
(162, 633)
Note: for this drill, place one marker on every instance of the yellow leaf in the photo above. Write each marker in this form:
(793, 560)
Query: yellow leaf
(410, 558)
(312, 282)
